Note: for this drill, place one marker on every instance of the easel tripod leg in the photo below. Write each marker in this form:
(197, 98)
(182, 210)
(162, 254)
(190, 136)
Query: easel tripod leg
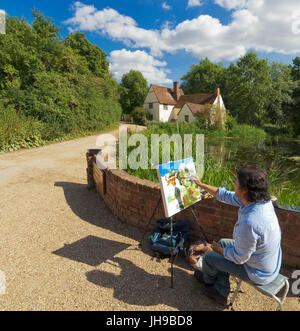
(204, 234)
(150, 220)
(172, 253)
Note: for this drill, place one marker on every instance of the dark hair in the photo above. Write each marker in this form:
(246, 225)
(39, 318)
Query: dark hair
(255, 180)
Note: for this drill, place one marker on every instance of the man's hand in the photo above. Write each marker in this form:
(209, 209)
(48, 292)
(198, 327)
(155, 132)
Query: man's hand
(210, 189)
(198, 181)
(217, 248)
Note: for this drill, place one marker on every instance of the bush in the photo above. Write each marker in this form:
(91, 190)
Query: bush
(19, 131)
(247, 131)
(52, 88)
(231, 122)
(139, 116)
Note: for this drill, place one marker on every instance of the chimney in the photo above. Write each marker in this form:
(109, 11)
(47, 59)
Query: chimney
(218, 93)
(176, 91)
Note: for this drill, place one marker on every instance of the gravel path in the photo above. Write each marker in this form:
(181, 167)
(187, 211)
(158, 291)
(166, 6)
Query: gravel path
(62, 249)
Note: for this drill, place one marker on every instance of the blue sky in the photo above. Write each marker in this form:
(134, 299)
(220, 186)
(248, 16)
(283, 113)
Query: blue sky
(162, 38)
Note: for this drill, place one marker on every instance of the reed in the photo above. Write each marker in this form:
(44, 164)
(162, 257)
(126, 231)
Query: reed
(284, 182)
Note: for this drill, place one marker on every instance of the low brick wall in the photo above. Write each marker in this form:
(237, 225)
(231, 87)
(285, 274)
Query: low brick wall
(133, 200)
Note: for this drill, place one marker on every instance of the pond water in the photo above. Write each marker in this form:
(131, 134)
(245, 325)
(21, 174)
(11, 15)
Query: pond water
(264, 154)
(279, 157)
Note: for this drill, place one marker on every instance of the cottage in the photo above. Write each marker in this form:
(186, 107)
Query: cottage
(189, 106)
(171, 104)
(160, 102)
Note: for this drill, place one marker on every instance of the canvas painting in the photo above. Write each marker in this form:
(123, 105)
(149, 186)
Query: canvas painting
(178, 189)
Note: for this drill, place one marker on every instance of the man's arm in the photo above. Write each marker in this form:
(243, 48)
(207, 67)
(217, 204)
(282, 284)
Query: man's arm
(220, 193)
(210, 189)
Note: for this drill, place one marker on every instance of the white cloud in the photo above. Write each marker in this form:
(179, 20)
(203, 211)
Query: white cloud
(231, 4)
(166, 6)
(167, 25)
(194, 3)
(202, 36)
(122, 61)
(2, 21)
(116, 26)
(267, 25)
(264, 25)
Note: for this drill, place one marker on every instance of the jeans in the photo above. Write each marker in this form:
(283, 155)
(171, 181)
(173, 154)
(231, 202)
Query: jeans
(216, 269)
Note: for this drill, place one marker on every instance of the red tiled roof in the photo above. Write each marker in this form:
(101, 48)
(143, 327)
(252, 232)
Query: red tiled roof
(198, 98)
(166, 95)
(196, 108)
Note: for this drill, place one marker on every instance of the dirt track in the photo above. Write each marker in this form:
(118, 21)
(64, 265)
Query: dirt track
(62, 249)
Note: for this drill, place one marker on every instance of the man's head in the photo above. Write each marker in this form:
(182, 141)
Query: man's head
(252, 184)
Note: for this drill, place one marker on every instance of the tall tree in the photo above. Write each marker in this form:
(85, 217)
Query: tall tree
(134, 88)
(294, 113)
(281, 96)
(248, 86)
(94, 55)
(46, 80)
(204, 77)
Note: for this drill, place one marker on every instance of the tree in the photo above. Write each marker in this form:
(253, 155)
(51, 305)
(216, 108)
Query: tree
(212, 117)
(19, 58)
(248, 87)
(281, 94)
(294, 111)
(52, 85)
(94, 55)
(46, 40)
(134, 88)
(204, 77)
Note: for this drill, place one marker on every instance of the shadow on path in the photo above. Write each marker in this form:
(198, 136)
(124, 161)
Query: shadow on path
(133, 285)
(89, 206)
(91, 250)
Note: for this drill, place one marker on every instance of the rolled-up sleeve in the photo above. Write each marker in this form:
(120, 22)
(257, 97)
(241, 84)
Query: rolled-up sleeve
(228, 197)
(244, 245)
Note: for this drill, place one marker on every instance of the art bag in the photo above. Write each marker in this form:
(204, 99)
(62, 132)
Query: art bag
(160, 240)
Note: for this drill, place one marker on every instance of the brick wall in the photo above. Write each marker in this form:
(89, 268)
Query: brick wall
(133, 200)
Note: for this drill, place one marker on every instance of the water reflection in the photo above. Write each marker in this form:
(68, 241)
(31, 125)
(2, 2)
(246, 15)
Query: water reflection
(236, 152)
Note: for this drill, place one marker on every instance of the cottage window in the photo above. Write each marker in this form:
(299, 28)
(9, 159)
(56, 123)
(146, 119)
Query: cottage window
(150, 105)
(186, 118)
(165, 107)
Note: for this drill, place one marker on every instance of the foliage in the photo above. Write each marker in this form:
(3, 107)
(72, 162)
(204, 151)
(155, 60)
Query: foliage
(255, 92)
(294, 111)
(248, 88)
(204, 77)
(247, 131)
(51, 87)
(215, 172)
(19, 131)
(134, 88)
(231, 122)
(94, 56)
(139, 116)
(211, 117)
(200, 127)
(281, 95)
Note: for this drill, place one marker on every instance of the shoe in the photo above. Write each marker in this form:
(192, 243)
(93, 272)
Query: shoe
(213, 294)
(199, 276)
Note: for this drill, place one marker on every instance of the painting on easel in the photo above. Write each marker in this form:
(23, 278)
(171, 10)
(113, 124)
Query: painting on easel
(178, 188)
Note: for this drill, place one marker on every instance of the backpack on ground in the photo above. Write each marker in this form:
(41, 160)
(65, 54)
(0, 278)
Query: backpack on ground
(160, 240)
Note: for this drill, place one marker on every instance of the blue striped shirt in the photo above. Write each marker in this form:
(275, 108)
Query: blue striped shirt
(257, 237)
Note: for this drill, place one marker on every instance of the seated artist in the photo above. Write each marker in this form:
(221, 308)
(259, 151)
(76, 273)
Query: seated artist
(255, 252)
